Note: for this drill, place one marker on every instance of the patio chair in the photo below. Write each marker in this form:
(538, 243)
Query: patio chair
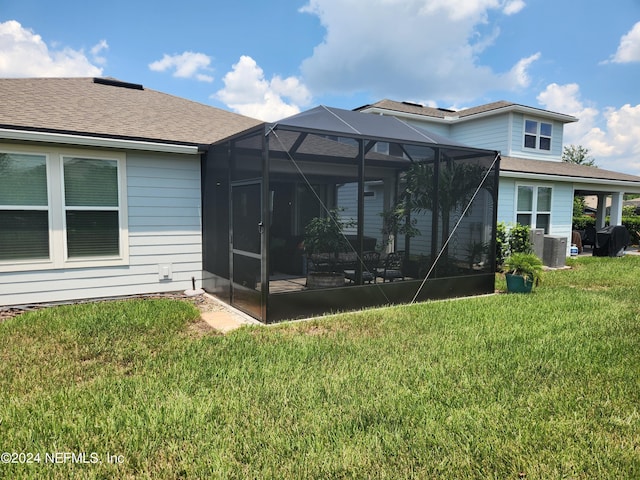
(589, 237)
(370, 262)
(392, 268)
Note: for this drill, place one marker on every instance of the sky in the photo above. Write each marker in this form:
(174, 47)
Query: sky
(270, 60)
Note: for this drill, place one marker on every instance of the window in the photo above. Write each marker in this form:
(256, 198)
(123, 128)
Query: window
(537, 135)
(91, 207)
(61, 211)
(533, 207)
(24, 207)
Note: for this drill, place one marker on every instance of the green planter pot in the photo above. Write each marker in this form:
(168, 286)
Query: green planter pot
(517, 284)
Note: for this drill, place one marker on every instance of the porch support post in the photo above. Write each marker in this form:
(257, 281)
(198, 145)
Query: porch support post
(390, 183)
(615, 217)
(601, 211)
(435, 201)
(360, 223)
(264, 228)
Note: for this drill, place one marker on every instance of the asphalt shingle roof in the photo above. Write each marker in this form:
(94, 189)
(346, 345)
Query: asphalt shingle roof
(106, 108)
(442, 113)
(562, 169)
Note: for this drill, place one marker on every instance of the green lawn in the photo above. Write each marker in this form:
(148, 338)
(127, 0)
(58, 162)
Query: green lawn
(539, 386)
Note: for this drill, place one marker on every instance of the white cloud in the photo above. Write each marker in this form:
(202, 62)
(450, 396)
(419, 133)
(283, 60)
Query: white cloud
(185, 65)
(409, 48)
(629, 48)
(459, 9)
(18, 43)
(97, 49)
(612, 136)
(456, 9)
(514, 6)
(519, 74)
(246, 91)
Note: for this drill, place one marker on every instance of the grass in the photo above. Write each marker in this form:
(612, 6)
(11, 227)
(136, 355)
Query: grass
(510, 386)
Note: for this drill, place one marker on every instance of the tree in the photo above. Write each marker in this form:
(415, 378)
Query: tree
(579, 205)
(577, 154)
(457, 183)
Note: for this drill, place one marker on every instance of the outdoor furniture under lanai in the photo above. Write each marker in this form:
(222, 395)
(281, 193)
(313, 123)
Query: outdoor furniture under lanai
(589, 236)
(370, 261)
(392, 268)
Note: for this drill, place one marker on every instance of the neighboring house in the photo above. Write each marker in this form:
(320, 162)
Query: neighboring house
(536, 187)
(82, 153)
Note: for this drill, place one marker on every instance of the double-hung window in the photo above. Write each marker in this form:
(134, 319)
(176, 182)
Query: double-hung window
(91, 207)
(24, 208)
(537, 135)
(534, 206)
(61, 209)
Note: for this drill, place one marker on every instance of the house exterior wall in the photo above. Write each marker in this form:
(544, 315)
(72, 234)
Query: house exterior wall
(506, 200)
(562, 211)
(487, 132)
(164, 230)
(561, 205)
(516, 139)
(505, 133)
(438, 128)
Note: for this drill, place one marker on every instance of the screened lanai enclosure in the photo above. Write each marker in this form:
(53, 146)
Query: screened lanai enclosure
(333, 210)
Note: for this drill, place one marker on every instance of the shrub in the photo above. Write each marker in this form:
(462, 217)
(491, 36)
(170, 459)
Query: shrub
(633, 225)
(527, 265)
(581, 222)
(519, 239)
(502, 243)
(629, 211)
(511, 240)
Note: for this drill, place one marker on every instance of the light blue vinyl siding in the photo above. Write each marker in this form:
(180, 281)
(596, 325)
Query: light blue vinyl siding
(562, 212)
(505, 133)
(442, 129)
(469, 231)
(164, 213)
(561, 205)
(517, 139)
(506, 200)
(489, 133)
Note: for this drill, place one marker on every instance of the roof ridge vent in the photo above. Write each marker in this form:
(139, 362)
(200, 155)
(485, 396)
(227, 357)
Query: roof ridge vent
(447, 110)
(117, 83)
(412, 104)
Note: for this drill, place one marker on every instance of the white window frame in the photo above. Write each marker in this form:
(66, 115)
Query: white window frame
(534, 212)
(58, 257)
(538, 135)
(36, 262)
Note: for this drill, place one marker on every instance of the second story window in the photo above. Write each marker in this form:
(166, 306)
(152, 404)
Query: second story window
(537, 135)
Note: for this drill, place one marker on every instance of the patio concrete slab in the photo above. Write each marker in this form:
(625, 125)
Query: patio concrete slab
(222, 320)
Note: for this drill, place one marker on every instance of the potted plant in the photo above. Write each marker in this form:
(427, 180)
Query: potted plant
(323, 242)
(522, 272)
